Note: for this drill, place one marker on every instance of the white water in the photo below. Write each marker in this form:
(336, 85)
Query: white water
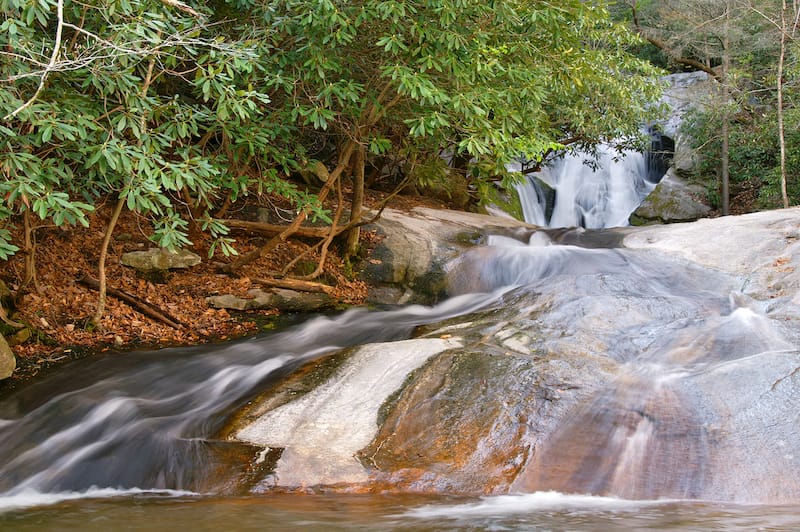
(30, 498)
(589, 192)
(688, 343)
(505, 505)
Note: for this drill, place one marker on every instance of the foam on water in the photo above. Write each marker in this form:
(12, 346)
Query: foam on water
(502, 505)
(30, 498)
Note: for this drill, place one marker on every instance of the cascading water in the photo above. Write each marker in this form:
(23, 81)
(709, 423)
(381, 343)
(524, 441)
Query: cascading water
(599, 371)
(590, 191)
(149, 421)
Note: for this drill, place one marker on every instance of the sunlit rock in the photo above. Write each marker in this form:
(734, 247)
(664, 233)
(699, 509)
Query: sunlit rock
(637, 363)
(321, 431)
(160, 259)
(673, 200)
(7, 361)
(415, 248)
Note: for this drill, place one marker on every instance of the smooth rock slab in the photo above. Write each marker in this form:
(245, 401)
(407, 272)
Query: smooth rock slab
(322, 431)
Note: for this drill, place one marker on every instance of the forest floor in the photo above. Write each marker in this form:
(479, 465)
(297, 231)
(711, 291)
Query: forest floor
(58, 308)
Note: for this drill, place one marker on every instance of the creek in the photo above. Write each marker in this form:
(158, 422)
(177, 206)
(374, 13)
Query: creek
(573, 379)
(670, 406)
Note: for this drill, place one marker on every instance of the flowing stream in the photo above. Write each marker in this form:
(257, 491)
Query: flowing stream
(567, 383)
(132, 440)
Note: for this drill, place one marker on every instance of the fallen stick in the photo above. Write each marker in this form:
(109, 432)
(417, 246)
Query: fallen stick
(7, 320)
(133, 302)
(261, 227)
(295, 284)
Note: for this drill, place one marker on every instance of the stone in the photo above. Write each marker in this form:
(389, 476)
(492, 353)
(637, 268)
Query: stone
(416, 246)
(686, 91)
(229, 301)
(160, 259)
(673, 200)
(7, 361)
(662, 367)
(20, 337)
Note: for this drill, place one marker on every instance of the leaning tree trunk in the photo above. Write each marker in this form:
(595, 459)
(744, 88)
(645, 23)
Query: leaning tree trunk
(357, 203)
(247, 258)
(29, 248)
(101, 265)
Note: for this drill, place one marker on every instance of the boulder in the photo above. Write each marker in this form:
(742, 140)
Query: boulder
(415, 246)
(673, 200)
(663, 368)
(7, 361)
(155, 259)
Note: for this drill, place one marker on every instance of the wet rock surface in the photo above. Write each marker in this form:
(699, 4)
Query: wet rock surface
(647, 371)
(660, 364)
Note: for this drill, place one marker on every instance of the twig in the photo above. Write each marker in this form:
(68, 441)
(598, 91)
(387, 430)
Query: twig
(182, 7)
(8, 321)
(262, 227)
(296, 284)
(133, 302)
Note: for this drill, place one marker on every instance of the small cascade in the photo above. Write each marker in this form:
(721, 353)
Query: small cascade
(591, 192)
(612, 371)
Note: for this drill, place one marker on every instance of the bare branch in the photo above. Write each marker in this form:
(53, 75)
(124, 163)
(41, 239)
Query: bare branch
(661, 45)
(50, 66)
(104, 49)
(182, 7)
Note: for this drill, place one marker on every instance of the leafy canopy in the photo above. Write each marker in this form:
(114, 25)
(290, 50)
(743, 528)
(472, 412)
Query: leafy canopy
(177, 111)
(492, 80)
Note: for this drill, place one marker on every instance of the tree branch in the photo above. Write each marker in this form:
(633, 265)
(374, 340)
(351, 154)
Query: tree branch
(50, 66)
(133, 302)
(661, 45)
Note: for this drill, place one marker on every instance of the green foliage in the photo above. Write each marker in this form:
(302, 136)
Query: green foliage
(490, 80)
(6, 247)
(754, 153)
(144, 101)
(175, 115)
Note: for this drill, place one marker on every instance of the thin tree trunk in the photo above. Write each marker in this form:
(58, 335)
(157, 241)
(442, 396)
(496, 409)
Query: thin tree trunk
(725, 152)
(101, 265)
(29, 245)
(781, 133)
(357, 203)
(332, 232)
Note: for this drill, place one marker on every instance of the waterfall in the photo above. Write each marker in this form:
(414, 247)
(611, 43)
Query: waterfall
(591, 192)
